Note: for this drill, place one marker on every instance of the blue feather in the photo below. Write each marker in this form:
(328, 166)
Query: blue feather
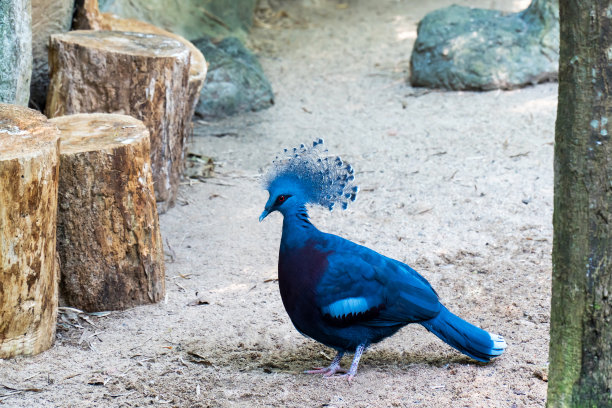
(344, 307)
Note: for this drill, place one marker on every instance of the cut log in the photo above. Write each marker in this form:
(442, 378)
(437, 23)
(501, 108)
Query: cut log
(29, 163)
(108, 236)
(197, 71)
(198, 68)
(142, 75)
(88, 16)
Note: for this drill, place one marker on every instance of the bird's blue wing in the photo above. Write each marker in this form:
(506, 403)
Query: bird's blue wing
(362, 286)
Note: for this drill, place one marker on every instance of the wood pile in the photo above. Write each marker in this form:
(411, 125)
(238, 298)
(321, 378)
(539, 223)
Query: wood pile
(142, 75)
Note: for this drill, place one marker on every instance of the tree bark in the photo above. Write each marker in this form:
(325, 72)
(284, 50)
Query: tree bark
(198, 67)
(29, 163)
(141, 75)
(581, 313)
(48, 17)
(109, 242)
(197, 70)
(87, 16)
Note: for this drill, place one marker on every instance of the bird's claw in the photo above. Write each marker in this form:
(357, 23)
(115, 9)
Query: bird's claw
(326, 371)
(345, 374)
(332, 372)
(349, 377)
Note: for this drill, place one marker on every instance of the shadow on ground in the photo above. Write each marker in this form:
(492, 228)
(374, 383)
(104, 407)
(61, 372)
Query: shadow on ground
(309, 355)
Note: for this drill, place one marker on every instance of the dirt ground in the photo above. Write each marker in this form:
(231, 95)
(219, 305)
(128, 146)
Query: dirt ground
(457, 184)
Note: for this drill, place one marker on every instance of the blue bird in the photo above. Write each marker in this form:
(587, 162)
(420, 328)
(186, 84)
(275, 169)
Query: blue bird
(342, 294)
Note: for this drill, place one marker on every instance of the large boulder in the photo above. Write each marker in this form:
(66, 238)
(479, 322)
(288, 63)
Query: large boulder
(15, 51)
(468, 48)
(235, 81)
(48, 17)
(189, 18)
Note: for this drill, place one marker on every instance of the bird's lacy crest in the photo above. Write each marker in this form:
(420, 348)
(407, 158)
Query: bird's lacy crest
(325, 181)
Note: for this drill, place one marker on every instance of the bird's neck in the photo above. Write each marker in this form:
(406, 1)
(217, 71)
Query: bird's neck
(297, 227)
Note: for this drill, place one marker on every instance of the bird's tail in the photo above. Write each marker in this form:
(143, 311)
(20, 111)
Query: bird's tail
(465, 337)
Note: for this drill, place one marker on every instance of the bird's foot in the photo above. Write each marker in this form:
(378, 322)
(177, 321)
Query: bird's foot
(330, 371)
(334, 368)
(350, 374)
(349, 377)
(327, 371)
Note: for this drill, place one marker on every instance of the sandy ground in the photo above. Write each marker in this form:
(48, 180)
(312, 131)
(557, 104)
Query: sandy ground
(456, 184)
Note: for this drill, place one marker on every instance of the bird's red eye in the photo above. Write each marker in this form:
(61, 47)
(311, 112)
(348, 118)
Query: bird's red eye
(281, 199)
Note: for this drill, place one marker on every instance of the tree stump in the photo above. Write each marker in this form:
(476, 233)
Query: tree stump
(198, 67)
(109, 242)
(142, 75)
(197, 70)
(29, 163)
(89, 17)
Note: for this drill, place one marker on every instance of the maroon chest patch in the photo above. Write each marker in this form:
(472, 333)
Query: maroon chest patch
(299, 272)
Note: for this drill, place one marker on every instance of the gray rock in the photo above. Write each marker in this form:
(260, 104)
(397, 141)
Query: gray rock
(189, 18)
(15, 51)
(235, 81)
(48, 17)
(467, 48)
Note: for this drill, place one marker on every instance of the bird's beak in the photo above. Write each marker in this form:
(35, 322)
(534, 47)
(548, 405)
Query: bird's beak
(264, 214)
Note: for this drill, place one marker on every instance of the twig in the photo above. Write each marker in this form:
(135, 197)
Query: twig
(452, 176)
(63, 309)
(514, 156)
(182, 275)
(215, 18)
(219, 183)
(71, 376)
(327, 357)
(93, 335)
(8, 394)
(140, 345)
(100, 314)
(30, 377)
(121, 395)
(172, 253)
(16, 390)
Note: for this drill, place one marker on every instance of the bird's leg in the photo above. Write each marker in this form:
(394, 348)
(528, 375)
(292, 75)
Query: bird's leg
(353, 370)
(333, 368)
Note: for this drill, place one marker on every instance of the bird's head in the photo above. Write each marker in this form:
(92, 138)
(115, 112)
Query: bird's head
(285, 194)
(306, 175)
